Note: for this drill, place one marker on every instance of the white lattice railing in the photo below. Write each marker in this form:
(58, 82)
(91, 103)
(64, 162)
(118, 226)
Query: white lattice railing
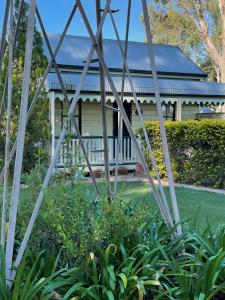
(70, 152)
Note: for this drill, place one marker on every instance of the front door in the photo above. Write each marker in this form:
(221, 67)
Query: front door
(126, 140)
(128, 110)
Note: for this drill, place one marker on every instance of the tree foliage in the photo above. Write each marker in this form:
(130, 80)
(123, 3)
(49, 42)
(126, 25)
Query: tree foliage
(170, 27)
(198, 27)
(37, 134)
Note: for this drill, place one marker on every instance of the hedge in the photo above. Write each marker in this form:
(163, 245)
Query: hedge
(197, 151)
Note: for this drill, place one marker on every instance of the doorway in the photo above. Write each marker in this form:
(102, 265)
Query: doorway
(126, 140)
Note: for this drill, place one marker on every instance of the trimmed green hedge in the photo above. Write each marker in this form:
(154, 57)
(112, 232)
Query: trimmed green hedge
(197, 151)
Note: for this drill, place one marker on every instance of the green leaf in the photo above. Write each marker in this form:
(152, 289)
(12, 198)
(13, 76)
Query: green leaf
(124, 279)
(110, 295)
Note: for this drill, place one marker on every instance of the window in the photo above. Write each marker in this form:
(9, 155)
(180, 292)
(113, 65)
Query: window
(64, 111)
(168, 111)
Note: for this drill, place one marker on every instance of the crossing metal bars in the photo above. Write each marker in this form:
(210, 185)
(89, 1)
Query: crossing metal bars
(170, 217)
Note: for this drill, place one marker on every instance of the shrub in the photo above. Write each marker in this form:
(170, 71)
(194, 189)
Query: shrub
(35, 177)
(70, 219)
(197, 151)
(151, 265)
(62, 176)
(145, 264)
(33, 280)
(113, 273)
(97, 173)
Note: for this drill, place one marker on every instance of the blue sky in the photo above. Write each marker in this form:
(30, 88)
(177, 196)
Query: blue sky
(55, 13)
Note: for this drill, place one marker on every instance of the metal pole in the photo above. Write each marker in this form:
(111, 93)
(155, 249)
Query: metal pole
(58, 146)
(18, 22)
(120, 134)
(21, 139)
(9, 113)
(68, 101)
(103, 108)
(2, 109)
(120, 105)
(2, 52)
(160, 116)
(4, 30)
(142, 122)
(38, 91)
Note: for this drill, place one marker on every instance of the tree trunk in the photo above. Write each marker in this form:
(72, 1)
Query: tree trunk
(218, 74)
(222, 71)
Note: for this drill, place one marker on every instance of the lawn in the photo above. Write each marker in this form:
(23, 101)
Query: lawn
(195, 206)
(199, 206)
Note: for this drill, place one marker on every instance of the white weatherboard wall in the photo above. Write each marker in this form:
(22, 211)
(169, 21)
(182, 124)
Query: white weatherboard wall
(92, 119)
(149, 113)
(189, 111)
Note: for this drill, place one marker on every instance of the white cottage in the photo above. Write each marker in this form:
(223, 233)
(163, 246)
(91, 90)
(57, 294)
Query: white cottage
(183, 86)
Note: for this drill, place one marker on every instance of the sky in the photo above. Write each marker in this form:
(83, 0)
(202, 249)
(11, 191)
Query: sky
(55, 13)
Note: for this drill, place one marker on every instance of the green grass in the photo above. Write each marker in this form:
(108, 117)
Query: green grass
(201, 206)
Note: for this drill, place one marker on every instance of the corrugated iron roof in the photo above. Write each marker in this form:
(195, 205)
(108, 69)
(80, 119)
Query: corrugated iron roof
(169, 59)
(142, 85)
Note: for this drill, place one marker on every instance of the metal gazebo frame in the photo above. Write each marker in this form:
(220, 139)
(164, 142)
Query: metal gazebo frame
(170, 217)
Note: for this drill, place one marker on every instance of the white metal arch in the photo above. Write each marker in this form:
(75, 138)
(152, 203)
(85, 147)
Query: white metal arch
(170, 217)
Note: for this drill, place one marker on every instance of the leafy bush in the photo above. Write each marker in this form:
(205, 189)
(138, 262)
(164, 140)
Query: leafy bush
(146, 264)
(113, 273)
(197, 151)
(73, 219)
(34, 278)
(123, 170)
(151, 265)
(35, 177)
(38, 127)
(64, 176)
(129, 252)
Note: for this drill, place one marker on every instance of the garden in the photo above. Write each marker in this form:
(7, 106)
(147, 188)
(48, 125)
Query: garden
(83, 247)
(66, 234)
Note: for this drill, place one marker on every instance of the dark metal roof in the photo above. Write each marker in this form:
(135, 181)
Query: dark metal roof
(169, 59)
(142, 84)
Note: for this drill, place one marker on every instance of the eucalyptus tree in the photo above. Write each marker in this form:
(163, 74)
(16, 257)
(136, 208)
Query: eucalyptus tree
(197, 26)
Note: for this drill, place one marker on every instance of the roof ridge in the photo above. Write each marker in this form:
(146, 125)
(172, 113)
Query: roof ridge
(111, 39)
(188, 57)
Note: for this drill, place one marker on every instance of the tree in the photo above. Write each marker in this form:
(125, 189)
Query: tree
(37, 134)
(194, 25)
(170, 27)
